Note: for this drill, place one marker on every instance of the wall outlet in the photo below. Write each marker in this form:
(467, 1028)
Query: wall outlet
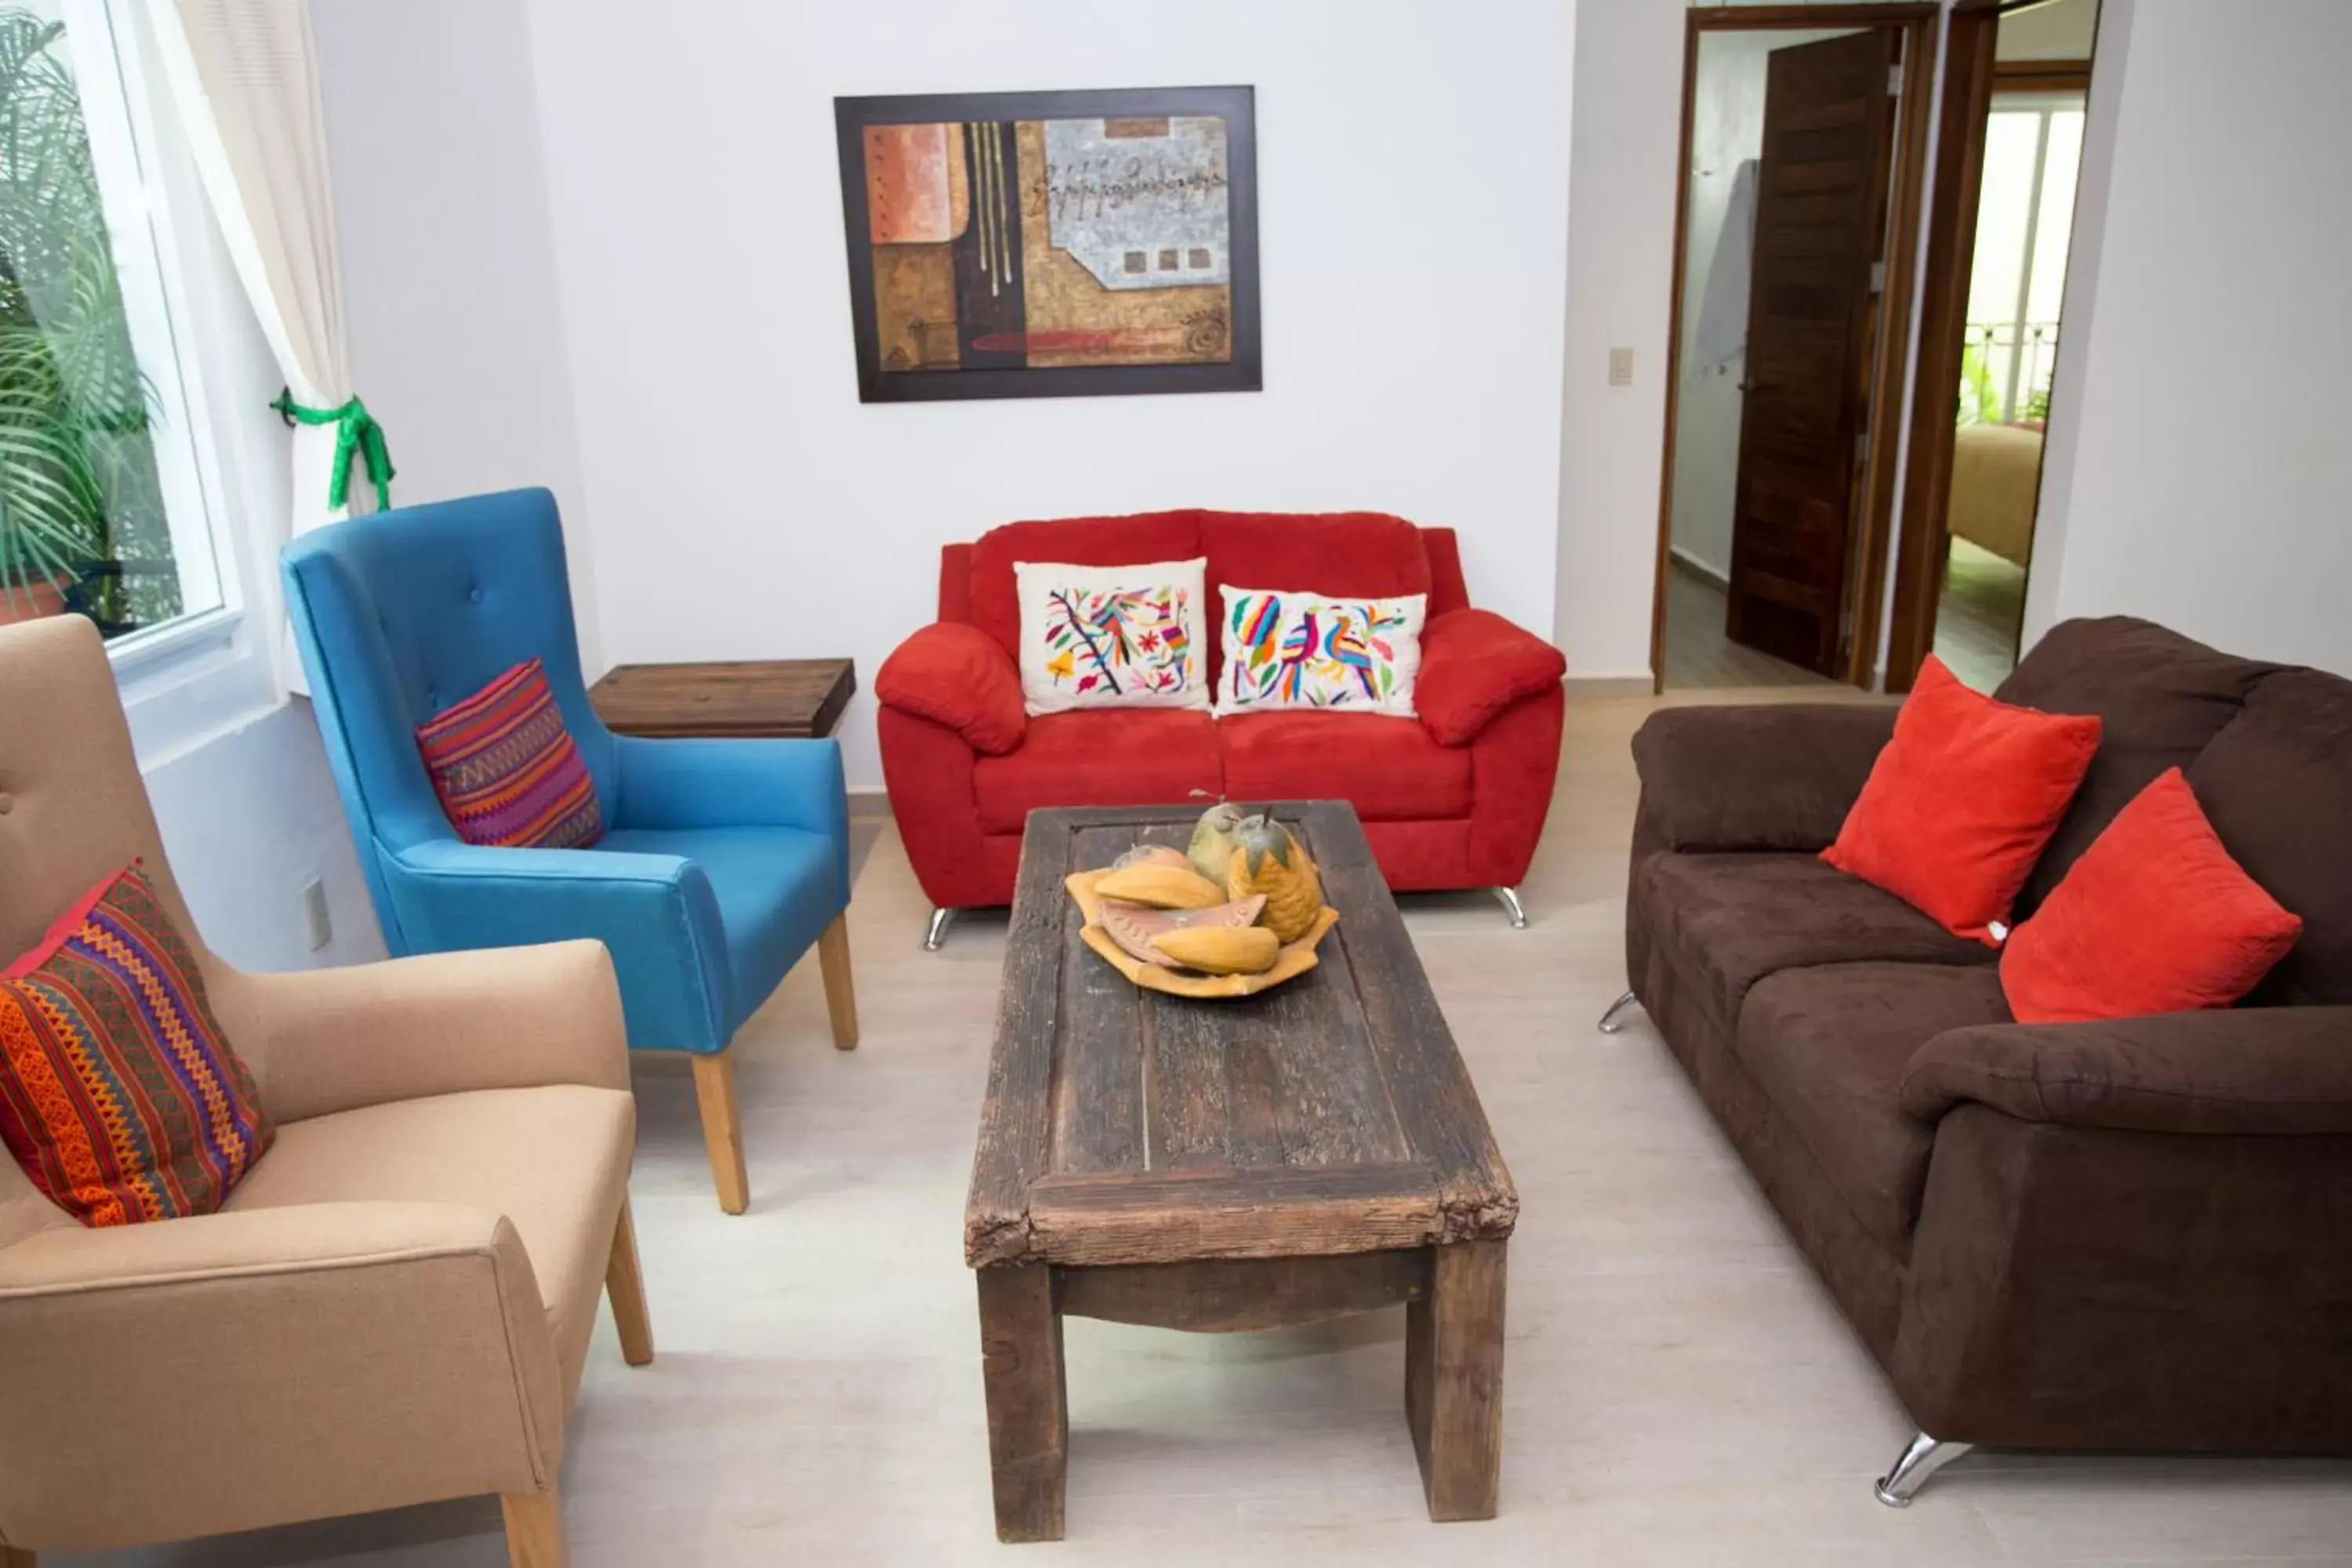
(315, 919)
(1621, 367)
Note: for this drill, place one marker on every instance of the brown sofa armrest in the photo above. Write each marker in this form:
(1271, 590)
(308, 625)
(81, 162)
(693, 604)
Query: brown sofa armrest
(2258, 1071)
(323, 1040)
(296, 1362)
(1769, 776)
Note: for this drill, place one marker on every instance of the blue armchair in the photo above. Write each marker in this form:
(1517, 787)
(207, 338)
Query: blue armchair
(722, 861)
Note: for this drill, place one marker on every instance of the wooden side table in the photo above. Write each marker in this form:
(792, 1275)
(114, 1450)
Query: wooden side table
(774, 698)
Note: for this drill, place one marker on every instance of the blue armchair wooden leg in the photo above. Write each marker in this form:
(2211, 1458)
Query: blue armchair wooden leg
(722, 1128)
(840, 988)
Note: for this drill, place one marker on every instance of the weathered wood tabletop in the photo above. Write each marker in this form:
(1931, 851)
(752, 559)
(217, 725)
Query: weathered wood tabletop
(1315, 1150)
(791, 698)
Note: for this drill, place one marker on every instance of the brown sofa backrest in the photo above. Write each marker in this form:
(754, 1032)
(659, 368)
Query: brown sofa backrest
(2160, 698)
(1359, 552)
(2267, 748)
(2277, 785)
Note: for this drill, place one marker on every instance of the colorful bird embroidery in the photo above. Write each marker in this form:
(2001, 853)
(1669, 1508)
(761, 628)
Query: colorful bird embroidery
(1344, 645)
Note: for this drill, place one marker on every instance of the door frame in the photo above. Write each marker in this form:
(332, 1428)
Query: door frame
(1971, 77)
(1917, 23)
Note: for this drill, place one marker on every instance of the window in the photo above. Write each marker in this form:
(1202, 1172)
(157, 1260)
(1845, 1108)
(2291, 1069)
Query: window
(2033, 148)
(102, 507)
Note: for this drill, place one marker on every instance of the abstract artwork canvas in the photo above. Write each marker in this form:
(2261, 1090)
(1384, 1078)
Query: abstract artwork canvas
(1052, 244)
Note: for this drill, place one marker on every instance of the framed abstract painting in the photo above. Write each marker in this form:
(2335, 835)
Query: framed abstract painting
(1052, 244)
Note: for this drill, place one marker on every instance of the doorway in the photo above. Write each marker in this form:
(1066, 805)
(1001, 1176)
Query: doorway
(2000, 232)
(1803, 139)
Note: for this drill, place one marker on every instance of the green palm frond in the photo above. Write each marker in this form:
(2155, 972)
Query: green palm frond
(77, 471)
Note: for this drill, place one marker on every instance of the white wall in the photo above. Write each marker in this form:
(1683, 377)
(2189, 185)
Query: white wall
(1628, 100)
(1413, 208)
(449, 286)
(1727, 129)
(2205, 479)
(248, 818)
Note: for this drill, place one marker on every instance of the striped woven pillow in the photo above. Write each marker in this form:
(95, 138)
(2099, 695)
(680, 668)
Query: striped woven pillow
(118, 1094)
(505, 769)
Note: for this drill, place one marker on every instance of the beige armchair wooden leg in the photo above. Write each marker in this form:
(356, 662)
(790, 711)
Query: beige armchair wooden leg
(14, 1557)
(535, 1529)
(627, 1287)
(722, 1128)
(840, 986)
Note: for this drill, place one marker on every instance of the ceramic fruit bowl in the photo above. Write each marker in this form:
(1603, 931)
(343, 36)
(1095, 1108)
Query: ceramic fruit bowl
(1158, 972)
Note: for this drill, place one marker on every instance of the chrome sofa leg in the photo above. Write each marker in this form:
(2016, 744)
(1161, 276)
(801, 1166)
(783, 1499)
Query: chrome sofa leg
(1922, 1459)
(1512, 907)
(938, 930)
(1614, 1019)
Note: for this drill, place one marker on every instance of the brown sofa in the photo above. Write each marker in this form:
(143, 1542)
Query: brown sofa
(2132, 1235)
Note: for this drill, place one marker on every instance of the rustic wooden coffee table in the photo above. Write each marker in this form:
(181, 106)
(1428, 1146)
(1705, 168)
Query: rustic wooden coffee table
(1309, 1152)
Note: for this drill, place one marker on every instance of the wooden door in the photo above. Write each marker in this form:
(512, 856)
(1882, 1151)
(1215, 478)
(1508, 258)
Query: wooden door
(1820, 228)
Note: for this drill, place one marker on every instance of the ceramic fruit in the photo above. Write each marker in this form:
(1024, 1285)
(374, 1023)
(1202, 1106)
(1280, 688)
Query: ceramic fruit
(1214, 949)
(1133, 926)
(1156, 855)
(1213, 841)
(1163, 886)
(1267, 859)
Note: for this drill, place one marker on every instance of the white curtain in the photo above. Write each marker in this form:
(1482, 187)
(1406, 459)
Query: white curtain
(245, 77)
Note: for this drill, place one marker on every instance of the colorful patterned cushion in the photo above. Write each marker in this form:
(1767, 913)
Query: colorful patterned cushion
(118, 1095)
(1287, 650)
(1112, 637)
(505, 769)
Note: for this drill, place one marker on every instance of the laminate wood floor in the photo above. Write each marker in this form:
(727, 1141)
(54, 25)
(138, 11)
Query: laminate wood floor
(1978, 614)
(1679, 1391)
(1700, 657)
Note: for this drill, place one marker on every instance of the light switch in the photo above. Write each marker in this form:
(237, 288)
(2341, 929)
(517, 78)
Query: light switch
(1621, 367)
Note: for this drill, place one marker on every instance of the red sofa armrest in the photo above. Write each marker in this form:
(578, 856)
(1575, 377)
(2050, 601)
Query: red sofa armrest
(959, 677)
(1473, 664)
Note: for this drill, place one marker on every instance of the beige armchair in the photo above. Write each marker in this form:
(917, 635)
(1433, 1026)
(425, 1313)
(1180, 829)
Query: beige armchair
(395, 1305)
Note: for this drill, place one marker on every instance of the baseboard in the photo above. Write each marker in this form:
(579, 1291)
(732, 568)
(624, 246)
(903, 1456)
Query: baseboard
(1596, 687)
(1685, 561)
(869, 803)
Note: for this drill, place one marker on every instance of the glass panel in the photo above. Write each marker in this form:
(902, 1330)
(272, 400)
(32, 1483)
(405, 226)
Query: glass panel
(90, 457)
(1996, 269)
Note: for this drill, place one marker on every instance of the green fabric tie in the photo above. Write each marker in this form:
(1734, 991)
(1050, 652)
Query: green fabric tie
(356, 431)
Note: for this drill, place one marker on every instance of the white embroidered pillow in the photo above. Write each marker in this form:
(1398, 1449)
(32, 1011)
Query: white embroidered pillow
(1113, 637)
(1286, 649)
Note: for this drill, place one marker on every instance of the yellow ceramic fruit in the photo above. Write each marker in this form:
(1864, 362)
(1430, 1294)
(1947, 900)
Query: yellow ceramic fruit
(1213, 841)
(1233, 950)
(1161, 886)
(1267, 859)
(1153, 854)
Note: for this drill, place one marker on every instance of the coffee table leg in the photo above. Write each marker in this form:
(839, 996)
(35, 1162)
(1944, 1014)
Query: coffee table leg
(1454, 1379)
(1028, 1415)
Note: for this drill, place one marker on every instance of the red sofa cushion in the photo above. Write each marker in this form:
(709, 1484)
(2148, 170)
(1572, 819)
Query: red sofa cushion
(1474, 664)
(1103, 756)
(1081, 541)
(1389, 767)
(1960, 804)
(956, 675)
(2156, 917)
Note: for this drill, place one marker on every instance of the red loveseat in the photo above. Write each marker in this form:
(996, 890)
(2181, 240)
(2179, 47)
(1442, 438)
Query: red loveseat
(1452, 799)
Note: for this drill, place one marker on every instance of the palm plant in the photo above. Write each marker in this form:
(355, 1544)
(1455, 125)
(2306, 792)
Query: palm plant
(78, 478)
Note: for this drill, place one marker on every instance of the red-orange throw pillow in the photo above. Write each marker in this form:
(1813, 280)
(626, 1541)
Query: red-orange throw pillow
(118, 1094)
(2154, 917)
(1961, 802)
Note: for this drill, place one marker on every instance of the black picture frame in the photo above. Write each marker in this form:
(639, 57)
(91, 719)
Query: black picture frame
(1243, 372)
